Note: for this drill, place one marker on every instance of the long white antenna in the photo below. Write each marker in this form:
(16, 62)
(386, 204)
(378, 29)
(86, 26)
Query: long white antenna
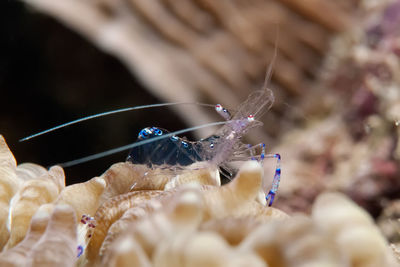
(271, 66)
(109, 113)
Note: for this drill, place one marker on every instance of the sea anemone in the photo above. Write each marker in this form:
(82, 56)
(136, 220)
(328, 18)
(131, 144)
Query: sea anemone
(107, 221)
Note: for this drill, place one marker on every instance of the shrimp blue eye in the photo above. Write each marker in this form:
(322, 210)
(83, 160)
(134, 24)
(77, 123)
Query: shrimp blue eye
(157, 131)
(144, 133)
(185, 144)
(174, 138)
(211, 145)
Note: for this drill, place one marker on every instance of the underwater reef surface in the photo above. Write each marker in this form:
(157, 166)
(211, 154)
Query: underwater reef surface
(133, 216)
(351, 141)
(348, 142)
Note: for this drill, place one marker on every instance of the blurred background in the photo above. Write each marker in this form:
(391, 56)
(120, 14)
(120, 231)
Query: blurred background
(49, 74)
(336, 81)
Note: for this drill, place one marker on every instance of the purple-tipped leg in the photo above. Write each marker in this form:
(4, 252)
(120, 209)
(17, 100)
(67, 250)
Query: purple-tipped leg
(270, 198)
(260, 158)
(277, 178)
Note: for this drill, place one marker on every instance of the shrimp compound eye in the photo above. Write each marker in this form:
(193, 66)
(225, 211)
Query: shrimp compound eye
(157, 131)
(174, 138)
(144, 133)
(185, 144)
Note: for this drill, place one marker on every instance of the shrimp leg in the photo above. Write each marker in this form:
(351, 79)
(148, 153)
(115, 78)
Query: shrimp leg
(277, 177)
(275, 182)
(260, 157)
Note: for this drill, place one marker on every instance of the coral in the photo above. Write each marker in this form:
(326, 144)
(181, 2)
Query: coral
(83, 197)
(9, 183)
(202, 249)
(192, 222)
(350, 141)
(389, 223)
(338, 233)
(31, 195)
(18, 255)
(57, 246)
(352, 229)
(110, 212)
(167, 217)
(50, 241)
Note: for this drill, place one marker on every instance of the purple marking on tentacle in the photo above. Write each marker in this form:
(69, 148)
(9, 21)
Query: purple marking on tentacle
(80, 251)
(90, 222)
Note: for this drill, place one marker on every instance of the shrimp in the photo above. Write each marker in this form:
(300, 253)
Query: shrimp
(228, 146)
(220, 149)
(156, 146)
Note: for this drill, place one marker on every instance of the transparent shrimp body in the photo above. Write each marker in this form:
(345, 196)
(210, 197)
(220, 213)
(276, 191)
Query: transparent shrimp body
(230, 148)
(174, 150)
(220, 149)
(170, 151)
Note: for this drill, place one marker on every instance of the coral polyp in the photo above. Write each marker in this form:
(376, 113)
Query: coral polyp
(192, 221)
